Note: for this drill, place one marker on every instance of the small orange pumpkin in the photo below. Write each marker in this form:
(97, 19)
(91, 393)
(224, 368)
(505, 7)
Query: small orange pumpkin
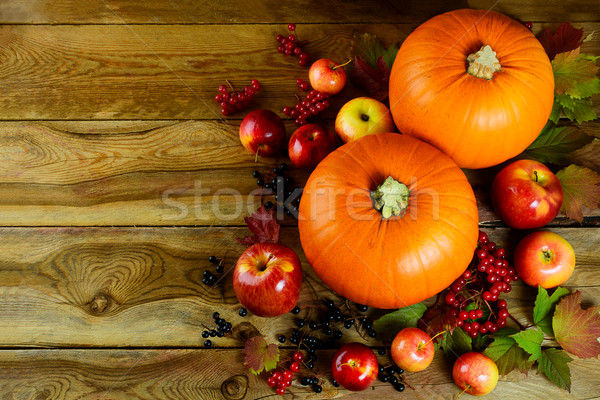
(476, 84)
(388, 220)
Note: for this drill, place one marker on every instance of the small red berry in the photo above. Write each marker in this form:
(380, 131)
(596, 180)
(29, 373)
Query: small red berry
(292, 27)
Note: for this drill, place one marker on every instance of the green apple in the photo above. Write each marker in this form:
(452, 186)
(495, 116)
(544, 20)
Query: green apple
(362, 116)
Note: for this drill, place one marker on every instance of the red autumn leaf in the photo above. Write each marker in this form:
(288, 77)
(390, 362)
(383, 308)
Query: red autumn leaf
(581, 187)
(264, 227)
(260, 355)
(438, 318)
(566, 38)
(575, 329)
(373, 80)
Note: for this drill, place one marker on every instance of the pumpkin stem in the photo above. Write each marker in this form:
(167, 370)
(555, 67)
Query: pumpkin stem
(391, 198)
(483, 63)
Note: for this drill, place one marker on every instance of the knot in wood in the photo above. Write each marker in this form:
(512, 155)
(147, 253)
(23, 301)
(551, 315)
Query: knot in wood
(244, 331)
(100, 303)
(235, 388)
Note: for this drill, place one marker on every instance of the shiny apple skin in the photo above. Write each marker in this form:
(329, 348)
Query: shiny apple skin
(355, 366)
(324, 78)
(309, 145)
(262, 131)
(526, 194)
(412, 349)
(267, 279)
(350, 123)
(476, 370)
(544, 258)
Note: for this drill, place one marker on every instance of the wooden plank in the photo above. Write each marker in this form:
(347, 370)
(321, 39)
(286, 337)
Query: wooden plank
(163, 72)
(219, 374)
(116, 287)
(271, 11)
(95, 173)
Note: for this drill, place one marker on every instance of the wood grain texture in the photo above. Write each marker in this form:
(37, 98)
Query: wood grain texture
(139, 287)
(191, 374)
(271, 11)
(104, 173)
(165, 71)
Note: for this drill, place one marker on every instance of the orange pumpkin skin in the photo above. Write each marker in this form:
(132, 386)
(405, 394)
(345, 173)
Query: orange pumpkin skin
(395, 262)
(479, 123)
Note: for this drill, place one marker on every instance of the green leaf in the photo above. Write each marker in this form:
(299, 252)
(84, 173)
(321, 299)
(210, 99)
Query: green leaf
(260, 355)
(575, 329)
(574, 74)
(456, 343)
(582, 111)
(544, 308)
(553, 364)
(507, 355)
(557, 109)
(390, 324)
(530, 341)
(581, 187)
(554, 144)
(369, 47)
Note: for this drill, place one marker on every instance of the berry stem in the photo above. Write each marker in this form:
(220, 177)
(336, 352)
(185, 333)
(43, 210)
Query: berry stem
(516, 321)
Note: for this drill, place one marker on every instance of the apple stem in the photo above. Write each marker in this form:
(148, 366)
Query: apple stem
(421, 345)
(535, 174)
(467, 387)
(256, 156)
(341, 65)
(352, 364)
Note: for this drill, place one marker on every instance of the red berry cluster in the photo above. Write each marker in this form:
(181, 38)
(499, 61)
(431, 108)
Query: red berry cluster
(236, 100)
(289, 45)
(312, 105)
(283, 380)
(473, 297)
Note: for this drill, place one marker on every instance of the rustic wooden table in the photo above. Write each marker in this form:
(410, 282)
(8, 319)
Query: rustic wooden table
(119, 177)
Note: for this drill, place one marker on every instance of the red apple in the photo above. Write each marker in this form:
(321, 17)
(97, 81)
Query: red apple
(267, 279)
(327, 76)
(526, 194)
(262, 132)
(355, 366)
(544, 258)
(362, 116)
(475, 373)
(412, 349)
(310, 144)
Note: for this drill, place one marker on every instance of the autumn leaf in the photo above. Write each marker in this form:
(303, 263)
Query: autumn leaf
(575, 329)
(580, 188)
(260, 355)
(575, 74)
(587, 156)
(372, 65)
(507, 355)
(390, 324)
(580, 110)
(368, 47)
(566, 38)
(374, 80)
(438, 318)
(264, 227)
(530, 340)
(555, 143)
(553, 364)
(544, 307)
(456, 344)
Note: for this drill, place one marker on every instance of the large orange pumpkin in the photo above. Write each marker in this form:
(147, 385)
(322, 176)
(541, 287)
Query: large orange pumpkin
(448, 88)
(388, 220)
